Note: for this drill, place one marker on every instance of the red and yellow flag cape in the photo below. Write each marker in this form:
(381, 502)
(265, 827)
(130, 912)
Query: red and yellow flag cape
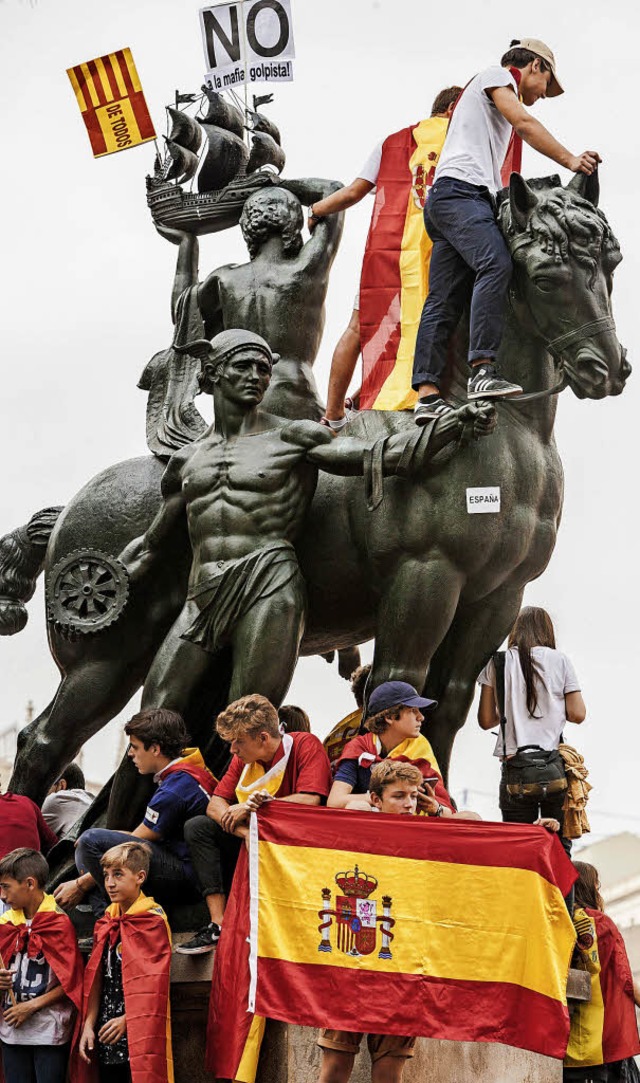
(395, 269)
(603, 1029)
(51, 933)
(146, 963)
(386, 924)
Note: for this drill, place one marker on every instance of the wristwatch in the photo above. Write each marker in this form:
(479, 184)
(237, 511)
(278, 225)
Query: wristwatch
(439, 811)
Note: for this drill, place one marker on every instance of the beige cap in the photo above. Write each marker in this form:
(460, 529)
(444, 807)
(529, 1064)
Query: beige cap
(545, 53)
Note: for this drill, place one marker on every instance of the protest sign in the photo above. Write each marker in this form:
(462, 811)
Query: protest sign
(247, 41)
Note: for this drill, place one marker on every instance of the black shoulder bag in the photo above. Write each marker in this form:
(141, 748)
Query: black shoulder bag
(532, 771)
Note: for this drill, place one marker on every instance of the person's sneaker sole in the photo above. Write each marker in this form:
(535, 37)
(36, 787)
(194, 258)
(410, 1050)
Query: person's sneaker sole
(474, 395)
(202, 949)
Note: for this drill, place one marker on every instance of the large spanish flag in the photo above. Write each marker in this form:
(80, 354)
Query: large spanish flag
(111, 101)
(448, 929)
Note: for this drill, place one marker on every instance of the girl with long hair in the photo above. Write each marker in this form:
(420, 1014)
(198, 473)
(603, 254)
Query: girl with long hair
(604, 1033)
(541, 694)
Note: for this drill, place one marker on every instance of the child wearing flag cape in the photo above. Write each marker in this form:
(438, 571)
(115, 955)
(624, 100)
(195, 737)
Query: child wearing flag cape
(126, 1017)
(40, 977)
(394, 717)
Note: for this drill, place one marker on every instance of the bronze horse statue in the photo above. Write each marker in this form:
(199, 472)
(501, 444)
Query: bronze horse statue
(438, 588)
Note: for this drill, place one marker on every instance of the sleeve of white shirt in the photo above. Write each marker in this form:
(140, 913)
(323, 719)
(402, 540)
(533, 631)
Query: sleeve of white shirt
(571, 682)
(371, 168)
(496, 76)
(488, 674)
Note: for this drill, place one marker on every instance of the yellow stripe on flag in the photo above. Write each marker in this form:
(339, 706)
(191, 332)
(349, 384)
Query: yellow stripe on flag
(133, 73)
(115, 65)
(451, 921)
(88, 78)
(77, 90)
(415, 255)
(104, 79)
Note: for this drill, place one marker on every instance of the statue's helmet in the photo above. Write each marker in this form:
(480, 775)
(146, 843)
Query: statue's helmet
(224, 346)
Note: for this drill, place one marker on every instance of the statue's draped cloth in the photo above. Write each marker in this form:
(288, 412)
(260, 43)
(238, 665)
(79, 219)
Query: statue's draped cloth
(227, 596)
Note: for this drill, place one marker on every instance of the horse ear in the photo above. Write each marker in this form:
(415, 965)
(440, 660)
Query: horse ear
(522, 200)
(586, 186)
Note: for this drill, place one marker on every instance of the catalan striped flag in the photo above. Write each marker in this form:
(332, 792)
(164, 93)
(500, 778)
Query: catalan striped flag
(449, 929)
(112, 103)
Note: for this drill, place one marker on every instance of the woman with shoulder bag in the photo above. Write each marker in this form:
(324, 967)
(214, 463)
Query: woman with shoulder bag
(531, 691)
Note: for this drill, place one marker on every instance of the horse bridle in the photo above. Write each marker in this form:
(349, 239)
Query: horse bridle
(556, 346)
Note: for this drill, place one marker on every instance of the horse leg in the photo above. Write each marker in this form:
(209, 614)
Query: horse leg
(414, 614)
(179, 673)
(476, 632)
(89, 696)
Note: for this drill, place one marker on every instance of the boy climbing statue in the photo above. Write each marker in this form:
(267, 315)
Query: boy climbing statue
(469, 256)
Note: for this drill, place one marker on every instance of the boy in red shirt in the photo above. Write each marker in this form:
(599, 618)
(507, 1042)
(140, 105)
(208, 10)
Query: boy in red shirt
(265, 764)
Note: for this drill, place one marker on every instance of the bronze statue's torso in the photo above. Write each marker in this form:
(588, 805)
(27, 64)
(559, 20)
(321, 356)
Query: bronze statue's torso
(242, 494)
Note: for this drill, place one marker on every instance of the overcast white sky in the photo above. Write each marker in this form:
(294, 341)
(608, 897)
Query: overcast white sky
(86, 289)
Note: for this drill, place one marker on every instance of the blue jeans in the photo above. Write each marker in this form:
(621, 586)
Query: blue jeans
(34, 1063)
(168, 875)
(469, 259)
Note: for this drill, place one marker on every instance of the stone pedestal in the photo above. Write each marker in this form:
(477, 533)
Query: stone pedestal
(290, 1054)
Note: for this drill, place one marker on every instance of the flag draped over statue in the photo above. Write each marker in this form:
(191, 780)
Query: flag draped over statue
(387, 924)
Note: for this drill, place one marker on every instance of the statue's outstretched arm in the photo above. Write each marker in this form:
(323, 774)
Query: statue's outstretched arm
(403, 453)
(186, 264)
(140, 554)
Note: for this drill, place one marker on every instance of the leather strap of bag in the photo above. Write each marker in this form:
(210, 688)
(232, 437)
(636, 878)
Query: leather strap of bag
(499, 664)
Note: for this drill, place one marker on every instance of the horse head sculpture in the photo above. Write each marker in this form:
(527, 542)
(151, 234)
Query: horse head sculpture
(564, 255)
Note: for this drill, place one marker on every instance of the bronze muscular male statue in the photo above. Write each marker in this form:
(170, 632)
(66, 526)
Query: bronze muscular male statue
(246, 486)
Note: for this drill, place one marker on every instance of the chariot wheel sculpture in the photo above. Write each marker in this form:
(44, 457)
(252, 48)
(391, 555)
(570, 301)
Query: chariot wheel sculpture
(87, 591)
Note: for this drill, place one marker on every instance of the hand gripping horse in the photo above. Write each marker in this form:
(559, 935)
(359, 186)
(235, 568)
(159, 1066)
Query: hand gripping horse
(436, 586)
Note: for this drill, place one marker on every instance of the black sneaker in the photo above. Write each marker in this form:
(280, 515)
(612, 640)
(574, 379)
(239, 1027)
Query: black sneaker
(487, 383)
(431, 411)
(205, 940)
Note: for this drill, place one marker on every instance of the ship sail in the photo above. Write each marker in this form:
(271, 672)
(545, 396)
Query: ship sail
(226, 157)
(184, 130)
(222, 114)
(260, 123)
(184, 165)
(265, 151)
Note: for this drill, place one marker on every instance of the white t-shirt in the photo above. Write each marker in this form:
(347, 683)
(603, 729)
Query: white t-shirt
(478, 136)
(61, 810)
(371, 168)
(52, 1025)
(556, 678)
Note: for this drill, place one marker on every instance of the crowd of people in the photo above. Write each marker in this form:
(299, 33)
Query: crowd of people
(114, 1012)
(194, 826)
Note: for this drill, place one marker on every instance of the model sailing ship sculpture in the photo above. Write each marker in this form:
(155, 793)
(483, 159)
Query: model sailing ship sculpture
(213, 147)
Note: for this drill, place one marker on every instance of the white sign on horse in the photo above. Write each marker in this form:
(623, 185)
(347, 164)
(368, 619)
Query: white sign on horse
(249, 41)
(483, 501)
